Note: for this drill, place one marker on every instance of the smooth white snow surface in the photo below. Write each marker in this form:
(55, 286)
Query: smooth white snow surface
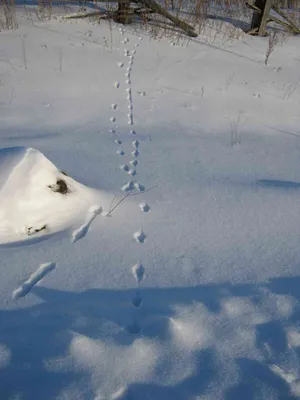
(198, 298)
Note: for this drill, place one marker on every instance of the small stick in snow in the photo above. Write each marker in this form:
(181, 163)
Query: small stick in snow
(145, 191)
(24, 52)
(112, 202)
(128, 194)
(123, 198)
(60, 58)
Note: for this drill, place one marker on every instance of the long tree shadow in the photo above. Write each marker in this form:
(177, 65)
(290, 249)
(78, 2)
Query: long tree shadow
(236, 22)
(193, 386)
(256, 381)
(273, 183)
(286, 286)
(271, 340)
(44, 332)
(31, 338)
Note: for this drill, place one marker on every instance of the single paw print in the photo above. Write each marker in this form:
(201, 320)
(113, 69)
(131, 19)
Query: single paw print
(139, 236)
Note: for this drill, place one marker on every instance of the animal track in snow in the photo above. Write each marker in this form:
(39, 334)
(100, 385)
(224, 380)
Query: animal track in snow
(138, 272)
(83, 229)
(145, 207)
(133, 163)
(139, 236)
(112, 119)
(139, 187)
(127, 187)
(121, 152)
(137, 299)
(117, 85)
(134, 328)
(113, 106)
(120, 65)
(39, 274)
(118, 141)
(112, 131)
(132, 172)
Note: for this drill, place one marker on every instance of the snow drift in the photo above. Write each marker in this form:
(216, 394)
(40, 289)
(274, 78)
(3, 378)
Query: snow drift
(36, 198)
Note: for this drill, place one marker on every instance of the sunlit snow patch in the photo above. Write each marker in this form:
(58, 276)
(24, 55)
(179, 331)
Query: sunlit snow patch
(36, 198)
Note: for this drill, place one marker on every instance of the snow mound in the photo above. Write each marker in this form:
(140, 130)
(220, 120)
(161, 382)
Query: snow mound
(36, 198)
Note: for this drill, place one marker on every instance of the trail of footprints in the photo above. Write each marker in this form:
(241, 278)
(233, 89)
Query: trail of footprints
(130, 168)
(138, 270)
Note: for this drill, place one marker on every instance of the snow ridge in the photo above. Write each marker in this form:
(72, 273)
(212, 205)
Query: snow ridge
(38, 275)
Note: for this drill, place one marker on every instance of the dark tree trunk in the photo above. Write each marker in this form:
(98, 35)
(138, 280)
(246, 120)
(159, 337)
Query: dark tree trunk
(260, 19)
(123, 13)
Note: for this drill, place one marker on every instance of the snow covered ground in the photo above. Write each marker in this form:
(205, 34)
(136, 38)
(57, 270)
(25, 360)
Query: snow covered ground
(190, 290)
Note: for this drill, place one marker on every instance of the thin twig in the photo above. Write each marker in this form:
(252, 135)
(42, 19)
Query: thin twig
(123, 198)
(135, 194)
(128, 194)
(24, 52)
(112, 202)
